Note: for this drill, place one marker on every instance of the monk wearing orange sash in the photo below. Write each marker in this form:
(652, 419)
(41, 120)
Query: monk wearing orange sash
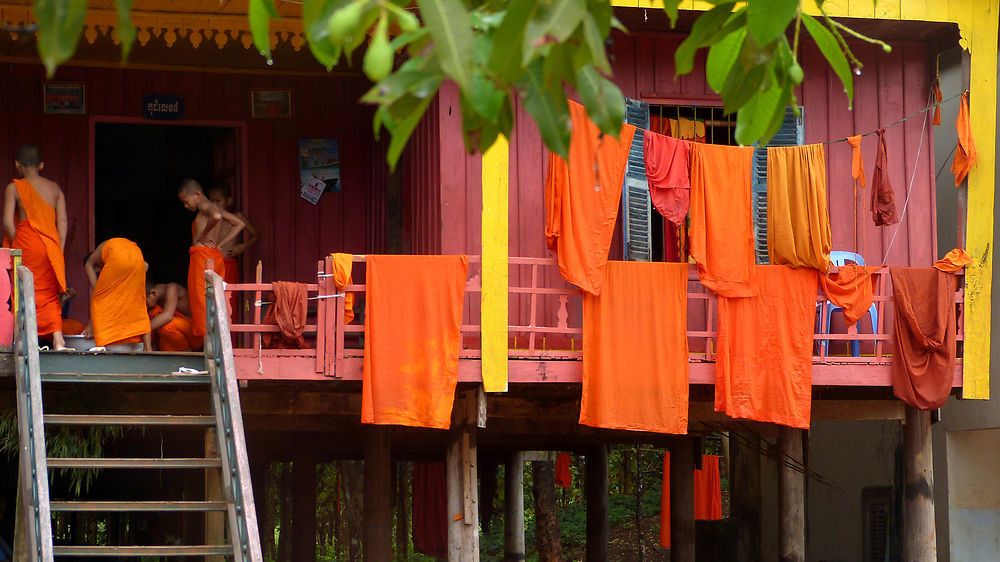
(170, 317)
(117, 274)
(207, 238)
(222, 195)
(34, 219)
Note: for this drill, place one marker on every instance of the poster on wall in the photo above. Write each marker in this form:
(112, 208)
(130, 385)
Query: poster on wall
(65, 99)
(275, 104)
(319, 167)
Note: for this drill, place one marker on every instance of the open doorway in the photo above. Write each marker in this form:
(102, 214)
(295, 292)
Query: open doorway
(137, 169)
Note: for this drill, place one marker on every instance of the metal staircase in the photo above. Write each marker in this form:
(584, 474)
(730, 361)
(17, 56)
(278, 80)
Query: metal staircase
(214, 371)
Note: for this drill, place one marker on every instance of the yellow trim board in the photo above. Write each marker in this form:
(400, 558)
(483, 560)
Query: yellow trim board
(495, 278)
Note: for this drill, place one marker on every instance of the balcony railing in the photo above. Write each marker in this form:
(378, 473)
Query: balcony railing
(545, 322)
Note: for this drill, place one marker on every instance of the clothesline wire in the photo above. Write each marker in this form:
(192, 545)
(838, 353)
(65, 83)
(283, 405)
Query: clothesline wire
(897, 122)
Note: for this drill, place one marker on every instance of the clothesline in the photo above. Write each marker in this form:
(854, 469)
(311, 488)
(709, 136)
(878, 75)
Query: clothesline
(910, 116)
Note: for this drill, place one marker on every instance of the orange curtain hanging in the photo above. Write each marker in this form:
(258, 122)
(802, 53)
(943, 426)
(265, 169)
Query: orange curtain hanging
(798, 220)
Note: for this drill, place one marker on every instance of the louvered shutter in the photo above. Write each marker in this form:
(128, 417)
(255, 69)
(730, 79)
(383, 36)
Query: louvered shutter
(790, 134)
(636, 206)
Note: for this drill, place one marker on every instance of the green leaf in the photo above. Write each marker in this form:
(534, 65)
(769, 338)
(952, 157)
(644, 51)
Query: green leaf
(741, 85)
(603, 100)
(260, 13)
(125, 28)
(356, 36)
(595, 43)
(485, 99)
(449, 25)
(59, 25)
(548, 108)
(753, 118)
(401, 130)
(505, 55)
(830, 48)
(670, 7)
(706, 26)
(767, 19)
(721, 58)
(315, 14)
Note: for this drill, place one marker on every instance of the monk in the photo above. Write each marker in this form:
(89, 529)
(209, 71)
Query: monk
(117, 274)
(222, 195)
(170, 317)
(34, 219)
(207, 238)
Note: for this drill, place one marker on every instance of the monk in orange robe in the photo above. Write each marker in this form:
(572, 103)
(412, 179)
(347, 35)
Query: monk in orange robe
(117, 274)
(34, 219)
(170, 317)
(222, 196)
(207, 239)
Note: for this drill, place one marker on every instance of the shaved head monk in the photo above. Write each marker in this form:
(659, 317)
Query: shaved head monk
(34, 219)
(170, 317)
(117, 274)
(207, 237)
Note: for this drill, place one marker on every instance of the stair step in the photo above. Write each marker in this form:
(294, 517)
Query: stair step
(88, 419)
(129, 378)
(137, 506)
(134, 463)
(179, 550)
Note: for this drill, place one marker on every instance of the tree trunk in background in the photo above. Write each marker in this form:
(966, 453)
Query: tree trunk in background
(487, 494)
(352, 483)
(548, 538)
(265, 520)
(627, 471)
(285, 513)
(403, 510)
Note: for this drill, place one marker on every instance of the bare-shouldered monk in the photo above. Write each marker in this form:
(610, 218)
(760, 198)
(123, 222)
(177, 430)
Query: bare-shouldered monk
(34, 218)
(171, 298)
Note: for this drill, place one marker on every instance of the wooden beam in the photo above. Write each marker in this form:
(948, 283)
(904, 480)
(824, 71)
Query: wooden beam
(792, 497)
(463, 486)
(495, 272)
(378, 494)
(304, 508)
(682, 501)
(919, 535)
(597, 503)
(513, 519)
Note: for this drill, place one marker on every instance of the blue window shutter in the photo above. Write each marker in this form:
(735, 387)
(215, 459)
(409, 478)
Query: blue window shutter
(636, 206)
(789, 134)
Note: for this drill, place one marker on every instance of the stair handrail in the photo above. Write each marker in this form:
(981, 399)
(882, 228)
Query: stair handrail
(33, 480)
(221, 366)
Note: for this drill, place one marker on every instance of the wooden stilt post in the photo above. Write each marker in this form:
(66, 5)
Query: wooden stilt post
(215, 521)
(377, 495)
(919, 535)
(682, 501)
(513, 518)
(303, 509)
(597, 504)
(791, 497)
(463, 478)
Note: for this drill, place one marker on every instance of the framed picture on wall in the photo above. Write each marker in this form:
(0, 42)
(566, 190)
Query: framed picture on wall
(275, 104)
(64, 98)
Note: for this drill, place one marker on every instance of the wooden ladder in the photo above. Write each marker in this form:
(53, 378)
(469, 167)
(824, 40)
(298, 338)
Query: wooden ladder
(214, 370)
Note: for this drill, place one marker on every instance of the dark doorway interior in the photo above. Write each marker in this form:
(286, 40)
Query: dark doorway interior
(138, 168)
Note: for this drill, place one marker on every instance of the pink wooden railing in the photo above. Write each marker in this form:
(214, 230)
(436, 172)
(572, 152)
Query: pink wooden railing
(545, 321)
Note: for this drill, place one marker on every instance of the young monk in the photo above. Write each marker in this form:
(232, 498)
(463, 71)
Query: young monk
(222, 196)
(205, 244)
(170, 317)
(117, 274)
(34, 219)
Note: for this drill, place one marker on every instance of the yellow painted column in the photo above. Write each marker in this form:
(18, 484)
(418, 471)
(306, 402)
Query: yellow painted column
(495, 271)
(978, 26)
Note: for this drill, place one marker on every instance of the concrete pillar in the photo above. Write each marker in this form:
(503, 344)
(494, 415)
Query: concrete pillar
(919, 534)
(513, 519)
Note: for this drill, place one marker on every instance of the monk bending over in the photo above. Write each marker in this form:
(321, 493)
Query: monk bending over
(206, 240)
(38, 206)
(117, 274)
(170, 317)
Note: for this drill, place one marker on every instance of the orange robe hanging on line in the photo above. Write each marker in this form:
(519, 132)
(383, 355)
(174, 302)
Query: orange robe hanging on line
(707, 494)
(858, 173)
(852, 289)
(342, 266)
(289, 311)
(635, 349)
(196, 283)
(798, 220)
(721, 237)
(953, 261)
(175, 335)
(564, 477)
(118, 312)
(668, 172)
(41, 252)
(582, 199)
(883, 205)
(413, 325)
(965, 152)
(764, 367)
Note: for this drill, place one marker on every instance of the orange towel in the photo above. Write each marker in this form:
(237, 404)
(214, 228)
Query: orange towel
(175, 335)
(953, 261)
(231, 275)
(764, 366)
(721, 235)
(564, 478)
(289, 312)
(41, 252)
(852, 289)
(707, 494)
(118, 311)
(582, 198)
(798, 221)
(196, 282)
(923, 363)
(965, 152)
(342, 266)
(668, 172)
(412, 339)
(638, 327)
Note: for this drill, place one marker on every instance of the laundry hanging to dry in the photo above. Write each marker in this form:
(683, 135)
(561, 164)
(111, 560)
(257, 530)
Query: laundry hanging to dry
(798, 220)
(923, 362)
(342, 266)
(564, 477)
(965, 152)
(852, 288)
(707, 494)
(858, 173)
(953, 261)
(582, 197)
(883, 197)
(289, 312)
(430, 509)
(668, 173)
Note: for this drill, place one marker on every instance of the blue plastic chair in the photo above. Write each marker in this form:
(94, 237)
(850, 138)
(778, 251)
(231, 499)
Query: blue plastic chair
(839, 259)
